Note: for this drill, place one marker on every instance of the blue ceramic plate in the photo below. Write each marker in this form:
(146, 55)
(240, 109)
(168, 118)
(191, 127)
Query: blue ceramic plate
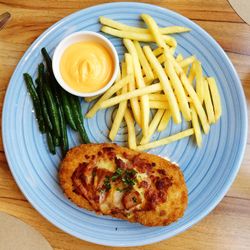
(208, 171)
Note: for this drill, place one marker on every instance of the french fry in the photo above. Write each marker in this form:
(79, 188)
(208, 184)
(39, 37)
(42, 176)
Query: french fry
(154, 30)
(135, 106)
(148, 81)
(182, 62)
(166, 140)
(157, 97)
(152, 127)
(179, 58)
(144, 62)
(120, 26)
(199, 81)
(208, 103)
(215, 97)
(140, 84)
(166, 86)
(174, 29)
(197, 104)
(158, 105)
(172, 95)
(164, 120)
(161, 59)
(131, 129)
(172, 50)
(187, 61)
(137, 36)
(124, 68)
(120, 111)
(158, 51)
(91, 98)
(138, 92)
(153, 27)
(179, 90)
(155, 76)
(185, 69)
(196, 126)
(191, 75)
(117, 86)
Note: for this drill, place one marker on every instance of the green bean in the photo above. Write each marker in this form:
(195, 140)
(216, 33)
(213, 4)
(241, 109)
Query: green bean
(40, 82)
(35, 100)
(64, 138)
(48, 61)
(50, 143)
(79, 109)
(78, 120)
(56, 140)
(67, 109)
(52, 106)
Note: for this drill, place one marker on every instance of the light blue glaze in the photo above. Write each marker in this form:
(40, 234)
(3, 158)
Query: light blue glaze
(208, 171)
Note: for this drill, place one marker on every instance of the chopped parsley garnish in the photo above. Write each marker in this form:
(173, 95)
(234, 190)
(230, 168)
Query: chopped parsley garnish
(118, 173)
(129, 177)
(106, 183)
(119, 189)
(134, 199)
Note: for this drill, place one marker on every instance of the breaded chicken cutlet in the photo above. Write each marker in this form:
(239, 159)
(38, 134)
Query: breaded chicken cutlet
(123, 183)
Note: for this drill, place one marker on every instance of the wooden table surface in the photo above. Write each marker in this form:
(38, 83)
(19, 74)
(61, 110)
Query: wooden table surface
(228, 225)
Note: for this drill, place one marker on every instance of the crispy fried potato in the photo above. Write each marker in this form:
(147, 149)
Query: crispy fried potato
(166, 86)
(137, 36)
(117, 86)
(144, 62)
(135, 106)
(91, 98)
(199, 81)
(120, 26)
(215, 97)
(196, 126)
(166, 140)
(120, 111)
(131, 129)
(191, 75)
(197, 104)
(157, 97)
(138, 92)
(158, 51)
(208, 103)
(179, 90)
(179, 58)
(164, 120)
(158, 105)
(187, 61)
(153, 125)
(140, 84)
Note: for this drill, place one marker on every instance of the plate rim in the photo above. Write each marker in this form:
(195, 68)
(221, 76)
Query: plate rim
(223, 191)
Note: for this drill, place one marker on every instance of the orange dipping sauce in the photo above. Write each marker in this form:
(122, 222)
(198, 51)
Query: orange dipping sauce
(86, 66)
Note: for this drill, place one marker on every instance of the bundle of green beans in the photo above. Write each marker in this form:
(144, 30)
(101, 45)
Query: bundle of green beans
(54, 107)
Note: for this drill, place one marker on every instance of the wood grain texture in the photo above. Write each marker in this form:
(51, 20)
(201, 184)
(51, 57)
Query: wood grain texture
(228, 226)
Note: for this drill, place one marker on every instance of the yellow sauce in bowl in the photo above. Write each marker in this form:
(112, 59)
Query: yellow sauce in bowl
(86, 66)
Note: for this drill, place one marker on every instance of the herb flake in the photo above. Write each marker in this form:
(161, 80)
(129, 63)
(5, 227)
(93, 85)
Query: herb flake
(129, 177)
(134, 199)
(118, 173)
(106, 183)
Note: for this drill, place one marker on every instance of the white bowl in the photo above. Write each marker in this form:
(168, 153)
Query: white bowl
(80, 37)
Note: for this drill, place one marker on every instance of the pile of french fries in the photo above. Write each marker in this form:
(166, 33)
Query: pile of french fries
(155, 79)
